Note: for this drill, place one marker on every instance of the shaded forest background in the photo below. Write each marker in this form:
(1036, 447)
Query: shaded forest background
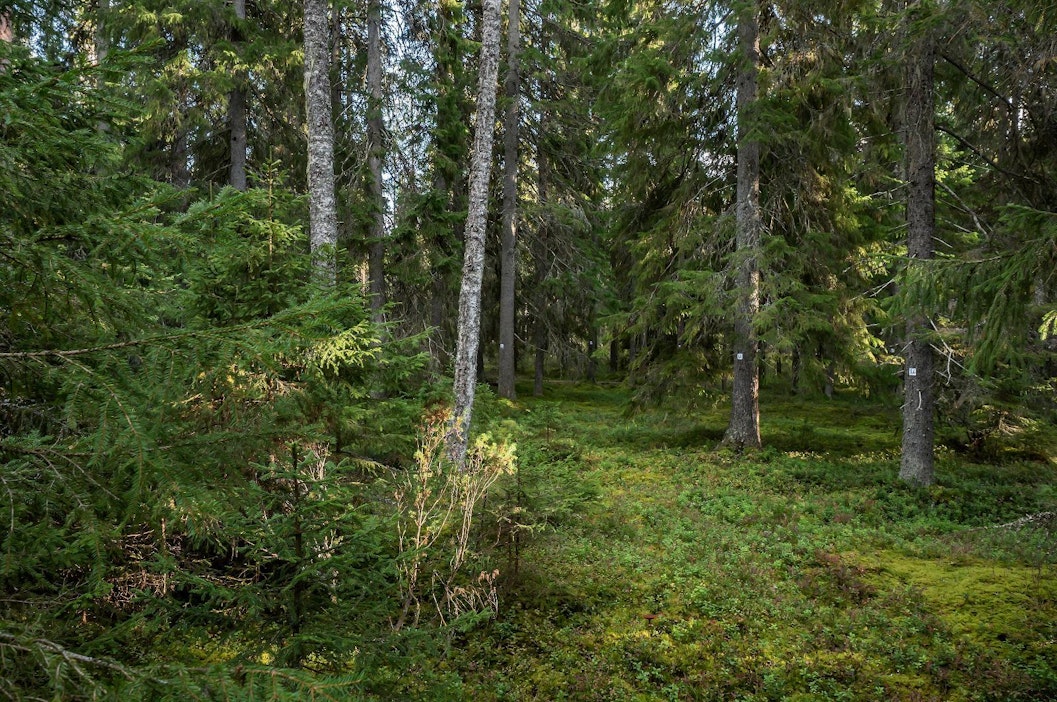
(208, 446)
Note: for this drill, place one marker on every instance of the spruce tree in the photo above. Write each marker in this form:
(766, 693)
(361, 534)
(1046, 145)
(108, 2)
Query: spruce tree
(744, 427)
(508, 250)
(916, 465)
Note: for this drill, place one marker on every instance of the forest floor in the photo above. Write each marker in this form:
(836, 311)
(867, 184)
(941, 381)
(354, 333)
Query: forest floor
(660, 566)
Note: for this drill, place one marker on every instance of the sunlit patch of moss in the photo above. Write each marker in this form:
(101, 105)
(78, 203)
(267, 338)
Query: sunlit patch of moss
(989, 605)
(741, 557)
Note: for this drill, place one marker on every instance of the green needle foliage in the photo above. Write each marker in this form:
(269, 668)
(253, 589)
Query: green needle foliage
(187, 428)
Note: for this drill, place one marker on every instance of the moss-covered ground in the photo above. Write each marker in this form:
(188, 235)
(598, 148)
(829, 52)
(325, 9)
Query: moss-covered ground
(653, 564)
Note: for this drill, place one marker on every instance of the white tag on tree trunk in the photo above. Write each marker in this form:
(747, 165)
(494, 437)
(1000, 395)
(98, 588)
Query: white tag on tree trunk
(912, 372)
(501, 347)
(740, 357)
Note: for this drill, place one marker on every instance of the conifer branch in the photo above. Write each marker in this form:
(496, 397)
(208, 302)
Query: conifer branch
(71, 657)
(991, 162)
(968, 74)
(70, 353)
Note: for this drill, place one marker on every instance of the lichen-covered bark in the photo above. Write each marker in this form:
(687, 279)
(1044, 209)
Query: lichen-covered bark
(469, 330)
(322, 208)
(508, 245)
(744, 427)
(237, 110)
(916, 465)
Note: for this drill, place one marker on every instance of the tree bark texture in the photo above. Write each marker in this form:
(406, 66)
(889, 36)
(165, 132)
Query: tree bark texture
(508, 245)
(541, 254)
(916, 465)
(375, 154)
(237, 108)
(469, 330)
(744, 427)
(322, 207)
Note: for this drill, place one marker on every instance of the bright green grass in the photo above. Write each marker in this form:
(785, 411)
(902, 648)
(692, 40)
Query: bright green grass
(804, 571)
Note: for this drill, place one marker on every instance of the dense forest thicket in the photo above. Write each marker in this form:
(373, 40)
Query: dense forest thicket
(269, 295)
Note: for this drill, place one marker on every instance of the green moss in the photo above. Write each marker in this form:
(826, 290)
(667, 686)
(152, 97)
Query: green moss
(988, 604)
(740, 558)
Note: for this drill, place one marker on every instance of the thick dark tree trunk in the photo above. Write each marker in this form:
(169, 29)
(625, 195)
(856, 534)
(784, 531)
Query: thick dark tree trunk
(322, 207)
(469, 331)
(538, 365)
(744, 427)
(541, 254)
(916, 466)
(375, 154)
(592, 345)
(633, 348)
(237, 109)
(179, 167)
(508, 249)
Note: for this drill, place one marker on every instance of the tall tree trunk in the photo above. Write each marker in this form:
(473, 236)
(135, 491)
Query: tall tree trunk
(916, 466)
(541, 254)
(322, 207)
(592, 346)
(375, 128)
(101, 49)
(469, 332)
(101, 46)
(237, 108)
(508, 247)
(744, 427)
(179, 164)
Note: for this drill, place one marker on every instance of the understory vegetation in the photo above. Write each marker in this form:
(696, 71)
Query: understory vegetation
(237, 459)
(612, 555)
(663, 567)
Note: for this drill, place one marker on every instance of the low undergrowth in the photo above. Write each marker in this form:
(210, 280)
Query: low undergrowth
(651, 564)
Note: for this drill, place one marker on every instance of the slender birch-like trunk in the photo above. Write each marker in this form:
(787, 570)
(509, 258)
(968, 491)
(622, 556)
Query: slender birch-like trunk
(744, 427)
(237, 109)
(508, 245)
(322, 207)
(469, 331)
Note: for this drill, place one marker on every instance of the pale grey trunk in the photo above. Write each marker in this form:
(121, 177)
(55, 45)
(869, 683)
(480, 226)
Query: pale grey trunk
(101, 48)
(916, 466)
(322, 208)
(237, 109)
(375, 129)
(508, 247)
(7, 34)
(744, 427)
(469, 330)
